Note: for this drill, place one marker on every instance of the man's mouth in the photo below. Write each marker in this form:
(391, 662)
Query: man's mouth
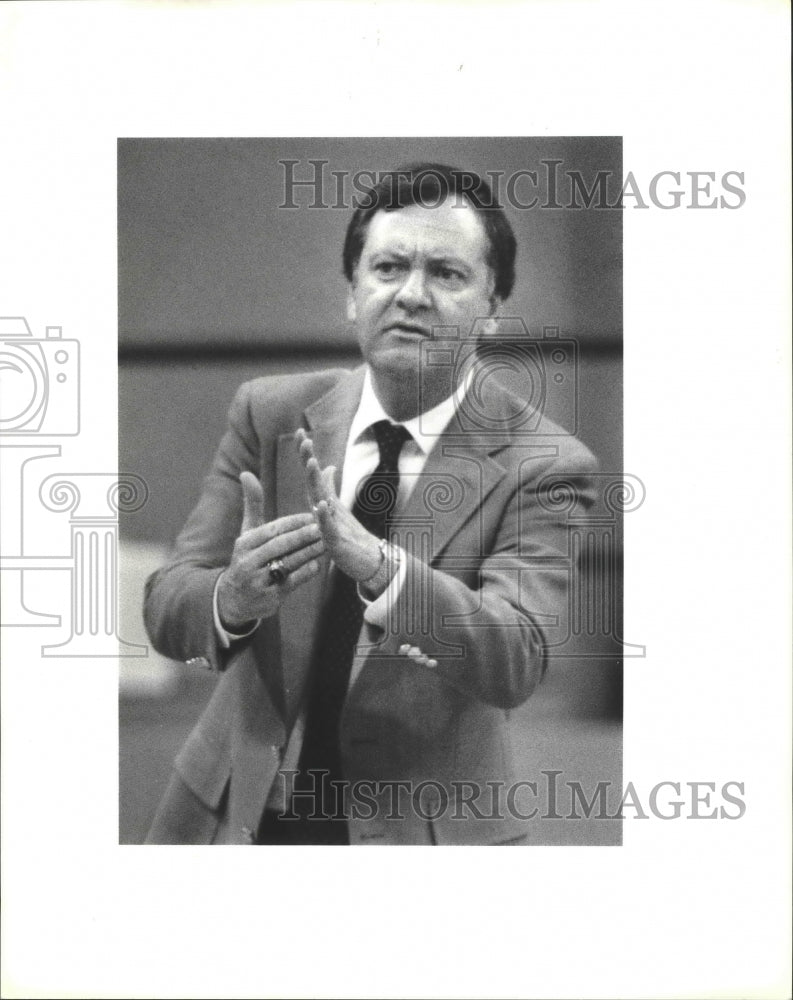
(412, 328)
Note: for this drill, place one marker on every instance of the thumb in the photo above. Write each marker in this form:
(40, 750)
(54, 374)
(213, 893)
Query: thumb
(252, 501)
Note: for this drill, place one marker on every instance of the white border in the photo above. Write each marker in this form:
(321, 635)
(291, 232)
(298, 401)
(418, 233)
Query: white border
(694, 908)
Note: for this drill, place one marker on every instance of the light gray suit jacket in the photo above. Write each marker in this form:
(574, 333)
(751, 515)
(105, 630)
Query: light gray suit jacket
(487, 576)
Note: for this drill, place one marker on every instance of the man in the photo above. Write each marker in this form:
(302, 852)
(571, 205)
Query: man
(370, 569)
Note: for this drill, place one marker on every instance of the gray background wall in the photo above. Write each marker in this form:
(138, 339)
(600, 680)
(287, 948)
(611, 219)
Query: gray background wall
(218, 284)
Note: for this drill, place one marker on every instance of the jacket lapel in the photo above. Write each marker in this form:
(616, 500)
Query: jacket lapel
(459, 474)
(328, 423)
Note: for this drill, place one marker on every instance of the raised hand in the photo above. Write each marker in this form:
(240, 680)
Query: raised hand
(355, 550)
(247, 590)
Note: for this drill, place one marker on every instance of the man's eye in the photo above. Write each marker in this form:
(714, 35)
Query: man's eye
(448, 274)
(387, 268)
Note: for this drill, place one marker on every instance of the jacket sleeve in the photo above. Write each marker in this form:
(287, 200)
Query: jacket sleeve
(178, 597)
(491, 639)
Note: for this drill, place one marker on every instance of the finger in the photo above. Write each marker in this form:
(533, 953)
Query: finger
(301, 575)
(328, 477)
(425, 661)
(325, 520)
(265, 532)
(262, 577)
(297, 559)
(306, 449)
(415, 654)
(316, 487)
(252, 501)
(285, 544)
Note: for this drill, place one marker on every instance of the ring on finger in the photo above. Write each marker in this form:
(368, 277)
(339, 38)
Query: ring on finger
(277, 570)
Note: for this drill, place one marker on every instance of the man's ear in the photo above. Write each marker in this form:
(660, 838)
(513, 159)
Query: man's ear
(490, 326)
(352, 312)
(491, 323)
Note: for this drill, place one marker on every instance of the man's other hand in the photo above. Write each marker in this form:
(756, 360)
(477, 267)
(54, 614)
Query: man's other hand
(246, 590)
(353, 549)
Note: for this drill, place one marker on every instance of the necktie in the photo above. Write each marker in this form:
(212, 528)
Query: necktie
(375, 500)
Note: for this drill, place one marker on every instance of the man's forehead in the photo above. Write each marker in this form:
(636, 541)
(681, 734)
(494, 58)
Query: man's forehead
(451, 228)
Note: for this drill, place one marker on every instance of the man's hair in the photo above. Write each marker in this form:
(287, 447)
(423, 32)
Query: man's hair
(429, 185)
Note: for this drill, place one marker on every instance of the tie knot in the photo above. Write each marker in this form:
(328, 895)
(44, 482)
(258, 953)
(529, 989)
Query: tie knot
(390, 439)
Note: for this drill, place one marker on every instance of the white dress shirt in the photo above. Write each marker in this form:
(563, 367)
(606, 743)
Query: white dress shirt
(361, 458)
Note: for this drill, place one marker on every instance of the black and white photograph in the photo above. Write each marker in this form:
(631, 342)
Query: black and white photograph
(395, 455)
(413, 512)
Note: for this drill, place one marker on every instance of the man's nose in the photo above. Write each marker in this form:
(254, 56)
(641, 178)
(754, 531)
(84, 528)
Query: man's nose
(413, 292)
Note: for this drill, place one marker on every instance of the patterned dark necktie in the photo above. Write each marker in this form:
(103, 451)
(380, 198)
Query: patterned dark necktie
(375, 500)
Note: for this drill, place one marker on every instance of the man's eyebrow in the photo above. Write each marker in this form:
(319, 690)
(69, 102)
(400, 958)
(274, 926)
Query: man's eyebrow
(446, 255)
(443, 257)
(390, 252)
(449, 258)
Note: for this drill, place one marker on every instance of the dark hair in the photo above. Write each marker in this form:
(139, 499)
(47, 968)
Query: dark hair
(430, 184)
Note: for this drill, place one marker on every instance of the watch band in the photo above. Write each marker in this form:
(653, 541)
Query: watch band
(388, 554)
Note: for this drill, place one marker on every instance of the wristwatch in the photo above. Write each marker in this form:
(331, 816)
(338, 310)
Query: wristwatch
(385, 572)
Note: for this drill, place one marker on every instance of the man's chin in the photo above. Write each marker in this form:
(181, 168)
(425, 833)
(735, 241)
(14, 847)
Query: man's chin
(399, 359)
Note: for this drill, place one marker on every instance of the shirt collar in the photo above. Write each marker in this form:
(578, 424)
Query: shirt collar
(425, 429)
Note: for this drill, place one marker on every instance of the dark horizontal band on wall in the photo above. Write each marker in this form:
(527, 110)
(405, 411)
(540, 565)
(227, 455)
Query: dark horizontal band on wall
(157, 351)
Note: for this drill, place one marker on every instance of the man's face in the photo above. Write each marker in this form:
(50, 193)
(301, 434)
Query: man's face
(420, 268)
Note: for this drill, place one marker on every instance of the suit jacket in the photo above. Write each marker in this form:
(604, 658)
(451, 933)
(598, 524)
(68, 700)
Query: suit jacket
(487, 574)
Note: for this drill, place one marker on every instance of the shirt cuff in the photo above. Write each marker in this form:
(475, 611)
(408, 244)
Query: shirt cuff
(227, 638)
(376, 612)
